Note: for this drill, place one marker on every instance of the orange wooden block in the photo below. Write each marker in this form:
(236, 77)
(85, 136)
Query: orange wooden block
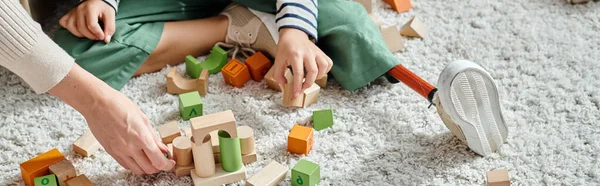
(236, 73)
(300, 139)
(40, 165)
(400, 5)
(259, 65)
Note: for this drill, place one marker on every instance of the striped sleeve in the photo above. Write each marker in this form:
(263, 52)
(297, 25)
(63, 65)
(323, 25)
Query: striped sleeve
(113, 3)
(298, 14)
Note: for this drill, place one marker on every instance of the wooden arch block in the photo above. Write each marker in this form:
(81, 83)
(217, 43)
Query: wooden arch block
(203, 125)
(400, 5)
(179, 85)
(414, 28)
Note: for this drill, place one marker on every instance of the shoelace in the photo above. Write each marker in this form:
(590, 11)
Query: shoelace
(237, 46)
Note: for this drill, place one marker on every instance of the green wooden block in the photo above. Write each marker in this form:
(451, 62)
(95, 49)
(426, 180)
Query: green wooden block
(48, 180)
(322, 119)
(190, 105)
(306, 173)
(231, 153)
(213, 63)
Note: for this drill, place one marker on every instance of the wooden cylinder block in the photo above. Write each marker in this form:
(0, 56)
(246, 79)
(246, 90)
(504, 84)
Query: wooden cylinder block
(246, 135)
(204, 161)
(231, 155)
(182, 150)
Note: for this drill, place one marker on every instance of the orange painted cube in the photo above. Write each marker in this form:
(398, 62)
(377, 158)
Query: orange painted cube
(259, 65)
(400, 5)
(40, 165)
(236, 73)
(300, 139)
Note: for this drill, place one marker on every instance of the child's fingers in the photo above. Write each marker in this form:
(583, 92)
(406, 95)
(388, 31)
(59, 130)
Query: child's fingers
(108, 18)
(311, 72)
(298, 70)
(72, 26)
(93, 26)
(83, 28)
(279, 71)
(64, 20)
(323, 66)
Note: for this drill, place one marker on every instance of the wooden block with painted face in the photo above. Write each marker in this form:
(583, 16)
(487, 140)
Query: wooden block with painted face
(306, 173)
(190, 105)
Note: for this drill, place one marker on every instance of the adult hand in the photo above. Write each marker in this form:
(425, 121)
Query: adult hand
(296, 50)
(82, 21)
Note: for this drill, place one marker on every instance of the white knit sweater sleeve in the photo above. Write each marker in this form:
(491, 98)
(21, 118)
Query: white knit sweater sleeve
(27, 51)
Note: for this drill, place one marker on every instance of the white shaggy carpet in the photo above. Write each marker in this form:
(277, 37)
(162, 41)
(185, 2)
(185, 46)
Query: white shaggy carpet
(543, 54)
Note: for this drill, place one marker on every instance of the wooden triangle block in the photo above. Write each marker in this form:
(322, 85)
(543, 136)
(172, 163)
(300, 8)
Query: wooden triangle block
(414, 28)
(400, 5)
(393, 39)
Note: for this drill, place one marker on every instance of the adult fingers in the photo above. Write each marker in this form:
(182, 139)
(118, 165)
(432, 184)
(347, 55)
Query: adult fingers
(142, 160)
(311, 72)
(108, 18)
(93, 26)
(298, 70)
(132, 165)
(156, 156)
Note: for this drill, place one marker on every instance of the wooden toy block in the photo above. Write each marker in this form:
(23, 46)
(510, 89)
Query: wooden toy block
(80, 180)
(48, 180)
(377, 21)
(288, 94)
(271, 175)
(179, 85)
(498, 178)
(400, 5)
(306, 173)
(236, 73)
(220, 177)
(259, 65)
(170, 149)
(183, 170)
(246, 159)
(270, 79)
(203, 125)
(215, 143)
(169, 131)
(322, 119)
(368, 4)
(86, 145)
(300, 139)
(322, 82)
(188, 132)
(204, 162)
(393, 39)
(39, 165)
(310, 95)
(231, 153)
(414, 28)
(64, 171)
(213, 63)
(246, 135)
(182, 150)
(190, 105)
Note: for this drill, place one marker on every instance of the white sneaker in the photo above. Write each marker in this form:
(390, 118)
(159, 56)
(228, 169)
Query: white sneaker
(470, 106)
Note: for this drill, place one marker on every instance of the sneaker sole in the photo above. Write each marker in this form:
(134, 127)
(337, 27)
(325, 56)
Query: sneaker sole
(469, 96)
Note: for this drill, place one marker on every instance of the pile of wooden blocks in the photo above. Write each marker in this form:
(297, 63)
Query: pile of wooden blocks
(51, 169)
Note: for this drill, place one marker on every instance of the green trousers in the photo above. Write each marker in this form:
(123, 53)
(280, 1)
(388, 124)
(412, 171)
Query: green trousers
(345, 33)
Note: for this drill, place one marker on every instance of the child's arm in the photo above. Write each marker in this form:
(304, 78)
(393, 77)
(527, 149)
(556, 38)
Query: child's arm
(297, 21)
(82, 21)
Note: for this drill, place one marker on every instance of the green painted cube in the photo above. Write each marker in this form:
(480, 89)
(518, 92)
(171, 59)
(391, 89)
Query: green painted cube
(306, 173)
(322, 119)
(192, 66)
(190, 105)
(48, 180)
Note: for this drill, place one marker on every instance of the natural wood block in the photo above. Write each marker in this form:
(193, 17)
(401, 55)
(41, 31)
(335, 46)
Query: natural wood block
(498, 178)
(215, 143)
(322, 82)
(176, 84)
(48, 180)
(246, 159)
(414, 28)
(288, 94)
(188, 131)
(64, 170)
(220, 177)
(204, 162)
(203, 125)
(310, 95)
(182, 150)
(246, 135)
(322, 119)
(377, 21)
(236, 73)
(169, 131)
(300, 140)
(271, 175)
(259, 65)
(80, 180)
(270, 79)
(368, 4)
(170, 150)
(39, 165)
(190, 105)
(400, 5)
(393, 39)
(183, 170)
(306, 173)
(86, 145)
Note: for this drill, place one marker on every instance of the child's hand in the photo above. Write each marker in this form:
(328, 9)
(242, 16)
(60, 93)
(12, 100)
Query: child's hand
(296, 50)
(82, 21)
